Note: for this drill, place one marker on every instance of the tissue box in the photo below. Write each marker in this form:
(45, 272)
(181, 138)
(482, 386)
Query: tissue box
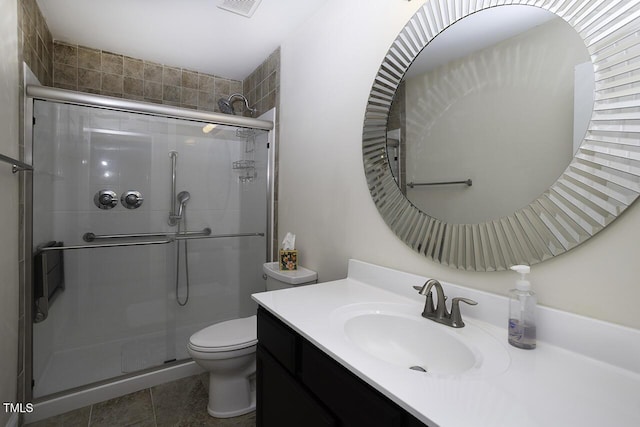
(288, 260)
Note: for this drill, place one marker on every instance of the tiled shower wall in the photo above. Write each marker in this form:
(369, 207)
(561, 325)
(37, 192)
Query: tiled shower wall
(35, 48)
(262, 89)
(36, 41)
(90, 70)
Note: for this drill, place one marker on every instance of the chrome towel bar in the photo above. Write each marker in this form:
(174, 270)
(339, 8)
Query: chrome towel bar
(182, 236)
(17, 165)
(106, 245)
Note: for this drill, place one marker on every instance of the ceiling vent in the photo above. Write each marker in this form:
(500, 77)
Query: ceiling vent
(241, 7)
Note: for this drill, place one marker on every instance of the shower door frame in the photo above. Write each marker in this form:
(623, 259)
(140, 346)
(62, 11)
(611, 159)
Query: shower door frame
(35, 92)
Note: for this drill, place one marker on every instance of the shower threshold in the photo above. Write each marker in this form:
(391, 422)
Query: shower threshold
(78, 367)
(70, 400)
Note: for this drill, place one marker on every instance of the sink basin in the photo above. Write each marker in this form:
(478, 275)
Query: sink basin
(410, 343)
(399, 336)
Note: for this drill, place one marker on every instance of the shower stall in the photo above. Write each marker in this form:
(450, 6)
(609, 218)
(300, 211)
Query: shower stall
(146, 228)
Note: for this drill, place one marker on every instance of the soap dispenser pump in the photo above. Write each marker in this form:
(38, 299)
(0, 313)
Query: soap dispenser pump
(522, 305)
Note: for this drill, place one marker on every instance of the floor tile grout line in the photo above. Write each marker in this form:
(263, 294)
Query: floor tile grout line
(153, 408)
(90, 415)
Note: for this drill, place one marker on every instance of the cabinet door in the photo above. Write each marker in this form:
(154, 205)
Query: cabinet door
(281, 401)
(278, 339)
(355, 403)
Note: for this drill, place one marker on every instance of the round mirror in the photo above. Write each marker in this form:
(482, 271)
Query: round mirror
(514, 148)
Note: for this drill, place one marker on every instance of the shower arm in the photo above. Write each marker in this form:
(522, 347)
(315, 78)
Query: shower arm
(246, 102)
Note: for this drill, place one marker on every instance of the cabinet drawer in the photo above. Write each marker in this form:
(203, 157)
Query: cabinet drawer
(344, 394)
(277, 338)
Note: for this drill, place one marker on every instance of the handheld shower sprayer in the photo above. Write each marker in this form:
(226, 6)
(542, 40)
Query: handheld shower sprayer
(183, 197)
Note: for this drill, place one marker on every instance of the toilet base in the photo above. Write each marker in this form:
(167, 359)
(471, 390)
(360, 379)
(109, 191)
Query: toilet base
(232, 413)
(231, 397)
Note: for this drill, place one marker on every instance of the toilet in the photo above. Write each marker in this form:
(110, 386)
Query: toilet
(227, 350)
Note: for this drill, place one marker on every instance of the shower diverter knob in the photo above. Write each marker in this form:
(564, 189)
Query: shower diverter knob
(131, 199)
(105, 199)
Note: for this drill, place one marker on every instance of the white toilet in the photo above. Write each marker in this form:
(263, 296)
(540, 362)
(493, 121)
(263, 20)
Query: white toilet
(227, 350)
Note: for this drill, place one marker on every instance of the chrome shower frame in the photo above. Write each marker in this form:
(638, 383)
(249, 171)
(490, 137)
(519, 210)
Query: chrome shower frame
(152, 376)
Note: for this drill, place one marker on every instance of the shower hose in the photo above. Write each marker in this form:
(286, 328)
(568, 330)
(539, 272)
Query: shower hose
(186, 264)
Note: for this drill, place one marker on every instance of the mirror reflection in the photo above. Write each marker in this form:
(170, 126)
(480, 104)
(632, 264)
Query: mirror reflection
(502, 105)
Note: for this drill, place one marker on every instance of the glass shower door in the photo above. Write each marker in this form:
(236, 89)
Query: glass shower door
(118, 312)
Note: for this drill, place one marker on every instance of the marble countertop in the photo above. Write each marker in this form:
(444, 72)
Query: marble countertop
(576, 376)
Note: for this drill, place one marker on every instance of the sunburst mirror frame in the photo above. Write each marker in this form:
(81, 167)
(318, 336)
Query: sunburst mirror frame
(602, 180)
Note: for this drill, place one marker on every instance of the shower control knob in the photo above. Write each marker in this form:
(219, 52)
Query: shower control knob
(131, 199)
(105, 199)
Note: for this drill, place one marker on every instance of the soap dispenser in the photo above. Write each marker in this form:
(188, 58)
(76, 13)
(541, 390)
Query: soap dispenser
(522, 305)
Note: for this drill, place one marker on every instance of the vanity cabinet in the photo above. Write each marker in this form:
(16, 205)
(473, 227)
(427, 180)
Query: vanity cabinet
(300, 385)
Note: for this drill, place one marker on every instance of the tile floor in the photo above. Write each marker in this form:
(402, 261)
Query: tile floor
(179, 403)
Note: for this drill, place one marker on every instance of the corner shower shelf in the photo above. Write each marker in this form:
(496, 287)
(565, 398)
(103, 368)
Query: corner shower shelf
(244, 164)
(249, 166)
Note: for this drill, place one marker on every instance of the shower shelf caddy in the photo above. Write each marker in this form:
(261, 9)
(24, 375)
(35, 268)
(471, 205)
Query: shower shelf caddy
(247, 165)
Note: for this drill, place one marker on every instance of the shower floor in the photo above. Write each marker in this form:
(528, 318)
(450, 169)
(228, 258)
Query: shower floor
(85, 365)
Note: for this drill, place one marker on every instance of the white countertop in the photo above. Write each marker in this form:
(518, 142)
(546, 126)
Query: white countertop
(593, 380)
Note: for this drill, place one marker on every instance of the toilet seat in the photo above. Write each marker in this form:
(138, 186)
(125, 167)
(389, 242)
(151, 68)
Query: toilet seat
(230, 335)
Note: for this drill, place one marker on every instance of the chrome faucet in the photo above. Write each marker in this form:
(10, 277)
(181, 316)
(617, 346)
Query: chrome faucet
(439, 313)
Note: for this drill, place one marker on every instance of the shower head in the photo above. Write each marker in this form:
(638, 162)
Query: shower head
(183, 197)
(226, 105)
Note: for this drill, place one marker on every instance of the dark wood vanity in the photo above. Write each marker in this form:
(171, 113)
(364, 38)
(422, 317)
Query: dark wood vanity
(299, 385)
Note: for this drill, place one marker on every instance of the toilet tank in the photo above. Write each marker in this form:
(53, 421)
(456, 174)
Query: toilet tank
(277, 279)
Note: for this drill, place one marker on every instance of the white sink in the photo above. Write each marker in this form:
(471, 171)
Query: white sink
(398, 335)
(410, 343)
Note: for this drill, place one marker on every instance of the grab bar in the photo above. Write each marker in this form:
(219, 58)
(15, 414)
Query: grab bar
(170, 238)
(17, 165)
(418, 184)
(90, 237)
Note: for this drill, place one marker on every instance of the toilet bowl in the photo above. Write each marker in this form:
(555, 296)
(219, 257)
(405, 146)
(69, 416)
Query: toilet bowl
(227, 350)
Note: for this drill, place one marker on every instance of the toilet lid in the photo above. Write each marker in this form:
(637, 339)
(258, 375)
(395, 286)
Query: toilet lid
(226, 336)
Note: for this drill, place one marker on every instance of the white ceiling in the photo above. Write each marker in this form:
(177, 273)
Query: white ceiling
(192, 34)
(476, 32)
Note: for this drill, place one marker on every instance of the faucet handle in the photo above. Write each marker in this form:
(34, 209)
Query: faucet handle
(456, 317)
